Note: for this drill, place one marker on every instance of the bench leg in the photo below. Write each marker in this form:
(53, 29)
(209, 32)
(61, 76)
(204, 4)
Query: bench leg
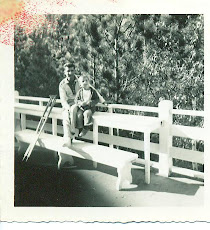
(20, 149)
(19, 144)
(62, 159)
(124, 177)
(59, 160)
(147, 157)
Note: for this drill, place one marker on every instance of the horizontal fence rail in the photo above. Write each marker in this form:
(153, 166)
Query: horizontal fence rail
(135, 108)
(111, 106)
(187, 132)
(23, 110)
(188, 112)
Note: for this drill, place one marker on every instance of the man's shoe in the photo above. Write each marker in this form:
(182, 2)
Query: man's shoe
(83, 133)
(89, 124)
(72, 131)
(72, 134)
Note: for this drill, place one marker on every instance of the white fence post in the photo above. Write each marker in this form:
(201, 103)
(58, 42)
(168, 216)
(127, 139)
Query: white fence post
(16, 95)
(194, 164)
(19, 118)
(54, 127)
(165, 137)
(23, 121)
(95, 139)
(41, 103)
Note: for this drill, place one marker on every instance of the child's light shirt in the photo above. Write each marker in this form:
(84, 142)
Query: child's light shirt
(86, 94)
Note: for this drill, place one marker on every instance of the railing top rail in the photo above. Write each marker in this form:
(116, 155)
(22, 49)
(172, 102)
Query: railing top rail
(28, 98)
(188, 112)
(126, 107)
(135, 108)
(113, 106)
(42, 99)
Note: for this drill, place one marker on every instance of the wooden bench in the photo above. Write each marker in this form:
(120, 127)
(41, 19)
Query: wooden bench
(112, 120)
(122, 160)
(143, 124)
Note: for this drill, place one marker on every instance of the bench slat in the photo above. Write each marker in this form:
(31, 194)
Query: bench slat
(101, 154)
(136, 122)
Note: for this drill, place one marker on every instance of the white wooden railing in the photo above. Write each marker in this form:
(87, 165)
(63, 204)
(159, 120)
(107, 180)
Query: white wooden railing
(164, 148)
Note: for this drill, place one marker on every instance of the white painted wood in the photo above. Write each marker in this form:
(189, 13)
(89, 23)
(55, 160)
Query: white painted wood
(132, 122)
(54, 127)
(95, 133)
(147, 156)
(28, 98)
(41, 103)
(194, 164)
(95, 139)
(23, 121)
(153, 164)
(128, 122)
(118, 106)
(111, 131)
(174, 169)
(188, 112)
(130, 143)
(101, 154)
(105, 138)
(55, 132)
(188, 132)
(48, 127)
(165, 138)
(41, 99)
(35, 99)
(124, 177)
(37, 110)
(136, 123)
(111, 106)
(176, 130)
(188, 172)
(59, 160)
(124, 142)
(135, 108)
(16, 94)
(187, 155)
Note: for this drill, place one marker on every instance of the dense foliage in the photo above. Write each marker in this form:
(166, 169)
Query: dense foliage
(133, 59)
(140, 59)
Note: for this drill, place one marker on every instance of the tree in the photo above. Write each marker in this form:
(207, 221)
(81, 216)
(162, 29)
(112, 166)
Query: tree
(140, 58)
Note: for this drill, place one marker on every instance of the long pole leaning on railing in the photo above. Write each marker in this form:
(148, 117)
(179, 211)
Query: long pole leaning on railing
(40, 126)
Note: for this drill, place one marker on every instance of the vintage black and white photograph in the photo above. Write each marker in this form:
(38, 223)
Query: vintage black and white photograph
(109, 111)
(104, 111)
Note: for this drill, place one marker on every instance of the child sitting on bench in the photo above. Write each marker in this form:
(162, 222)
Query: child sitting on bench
(86, 100)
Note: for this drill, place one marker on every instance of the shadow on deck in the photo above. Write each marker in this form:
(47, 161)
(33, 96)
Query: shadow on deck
(39, 183)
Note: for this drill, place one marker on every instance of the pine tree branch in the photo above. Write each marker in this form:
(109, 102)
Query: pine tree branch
(118, 28)
(128, 28)
(107, 39)
(125, 84)
(108, 33)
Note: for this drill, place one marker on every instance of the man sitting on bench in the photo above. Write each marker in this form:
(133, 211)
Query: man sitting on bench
(67, 95)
